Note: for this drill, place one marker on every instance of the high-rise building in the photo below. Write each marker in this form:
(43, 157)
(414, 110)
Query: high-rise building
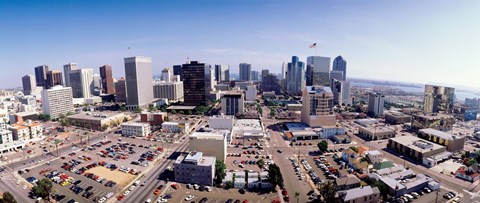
(97, 82)
(66, 71)
(196, 79)
(317, 106)
(341, 91)
(270, 83)
(245, 70)
(178, 70)
(167, 74)
(138, 74)
(41, 75)
(438, 99)
(340, 64)
(318, 70)
(173, 91)
(81, 81)
(107, 79)
(264, 73)
(210, 143)
(251, 93)
(335, 74)
(232, 103)
(56, 101)
(29, 84)
(222, 73)
(283, 74)
(54, 78)
(295, 76)
(255, 75)
(121, 90)
(376, 103)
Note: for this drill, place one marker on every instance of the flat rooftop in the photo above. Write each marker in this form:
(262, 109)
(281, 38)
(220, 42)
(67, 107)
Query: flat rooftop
(195, 158)
(441, 134)
(416, 143)
(252, 124)
(181, 107)
(433, 116)
(137, 124)
(207, 136)
(375, 128)
(296, 126)
(95, 115)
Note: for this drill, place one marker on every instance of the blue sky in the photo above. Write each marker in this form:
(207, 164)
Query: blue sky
(414, 41)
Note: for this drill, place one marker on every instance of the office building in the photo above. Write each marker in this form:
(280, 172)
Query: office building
(245, 71)
(295, 81)
(99, 121)
(396, 118)
(29, 84)
(251, 93)
(173, 91)
(81, 81)
(376, 102)
(376, 131)
(66, 71)
(97, 82)
(167, 75)
(178, 70)
(318, 71)
(121, 90)
(41, 75)
(209, 143)
(194, 168)
(270, 83)
(265, 72)
(107, 79)
(222, 73)
(176, 127)
(54, 78)
(196, 79)
(255, 75)
(232, 103)
(417, 149)
(441, 122)
(221, 122)
(335, 74)
(340, 64)
(154, 119)
(341, 91)
(138, 76)
(452, 142)
(283, 74)
(57, 101)
(317, 106)
(438, 99)
(135, 129)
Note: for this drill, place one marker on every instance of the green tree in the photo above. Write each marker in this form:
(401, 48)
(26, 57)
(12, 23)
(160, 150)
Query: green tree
(328, 191)
(174, 111)
(220, 172)
(138, 110)
(8, 198)
(382, 187)
(275, 175)
(123, 108)
(104, 126)
(152, 108)
(297, 194)
(322, 146)
(354, 148)
(44, 117)
(261, 164)
(43, 188)
(189, 112)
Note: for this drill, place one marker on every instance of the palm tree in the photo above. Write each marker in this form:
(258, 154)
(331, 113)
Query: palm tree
(328, 191)
(297, 194)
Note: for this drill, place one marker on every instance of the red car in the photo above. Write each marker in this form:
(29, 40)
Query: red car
(120, 197)
(285, 193)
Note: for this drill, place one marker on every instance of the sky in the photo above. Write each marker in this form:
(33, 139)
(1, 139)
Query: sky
(422, 41)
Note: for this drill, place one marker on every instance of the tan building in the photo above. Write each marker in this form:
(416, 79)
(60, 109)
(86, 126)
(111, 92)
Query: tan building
(211, 144)
(414, 147)
(317, 106)
(20, 132)
(135, 129)
(376, 131)
(397, 118)
(452, 142)
(97, 120)
(436, 121)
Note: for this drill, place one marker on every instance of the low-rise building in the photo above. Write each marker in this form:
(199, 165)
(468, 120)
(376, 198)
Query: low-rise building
(468, 173)
(251, 93)
(20, 132)
(248, 128)
(294, 107)
(154, 119)
(97, 120)
(415, 148)
(347, 182)
(7, 143)
(221, 122)
(176, 127)
(194, 168)
(441, 122)
(376, 132)
(374, 156)
(397, 118)
(210, 144)
(365, 194)
(452, 142)
(398, 188)
(136, 129)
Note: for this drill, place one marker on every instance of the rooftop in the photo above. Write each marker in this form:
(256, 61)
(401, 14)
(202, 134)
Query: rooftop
(433, 116)
(207, 135)
(438, 133)
(137, 124)
(196, 158)
(95, 115)
(347, 180)
(318, 89)
(416, 143)
(355, 193)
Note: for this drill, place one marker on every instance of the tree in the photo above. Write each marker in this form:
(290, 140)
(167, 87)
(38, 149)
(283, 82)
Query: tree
(220, 172)
(8, 198)
(174, 111)
(354, 148)
(125, 119)
(297, 194)
(152, 108)
(138, 110)
(261, 164)
(275, 175)
(43, 188)
(44, 117)
(123, 108)
(104, 126)
(322, 146)
(189, 112)
(328, 191)
(382, 187)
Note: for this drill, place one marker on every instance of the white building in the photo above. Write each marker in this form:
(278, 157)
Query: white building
(317, 109)
(81, 81)
(7, 143)
(175, 127)
(221, 122)
(195, 168)
(57, 101)
(376, 103)
(210, 143)
(135, 129)
(374, 156)
(251, 93)
(248, 128)
(172, 91)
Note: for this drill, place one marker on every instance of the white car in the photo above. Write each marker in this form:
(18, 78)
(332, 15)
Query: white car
(102, 200)
(189, 197)
(24, 187)
(148, 201)
(208, 188)
(131, 187)
(126, 192)
(195, 186)
(162, 200)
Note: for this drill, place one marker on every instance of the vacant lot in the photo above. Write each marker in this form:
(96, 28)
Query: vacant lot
(119, 177)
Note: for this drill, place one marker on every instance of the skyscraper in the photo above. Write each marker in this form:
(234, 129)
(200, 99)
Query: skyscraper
(438, 99)
(255, 75)
(167, 75)
(270, 83)
(196, 82)
(66, 71)
(107, 79)
(295, 76)
(264, 73)
(317, 106)
(335, 74)
(376, 103)
(318, 70)
(29, 84)
(54, 77)
(340, 64)
(284, 71)
(138, 73)
(121, 90)
(57, 101)
(222, 73)
(41, 75)
(341, 91)
(245, 70)
(81, 81)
